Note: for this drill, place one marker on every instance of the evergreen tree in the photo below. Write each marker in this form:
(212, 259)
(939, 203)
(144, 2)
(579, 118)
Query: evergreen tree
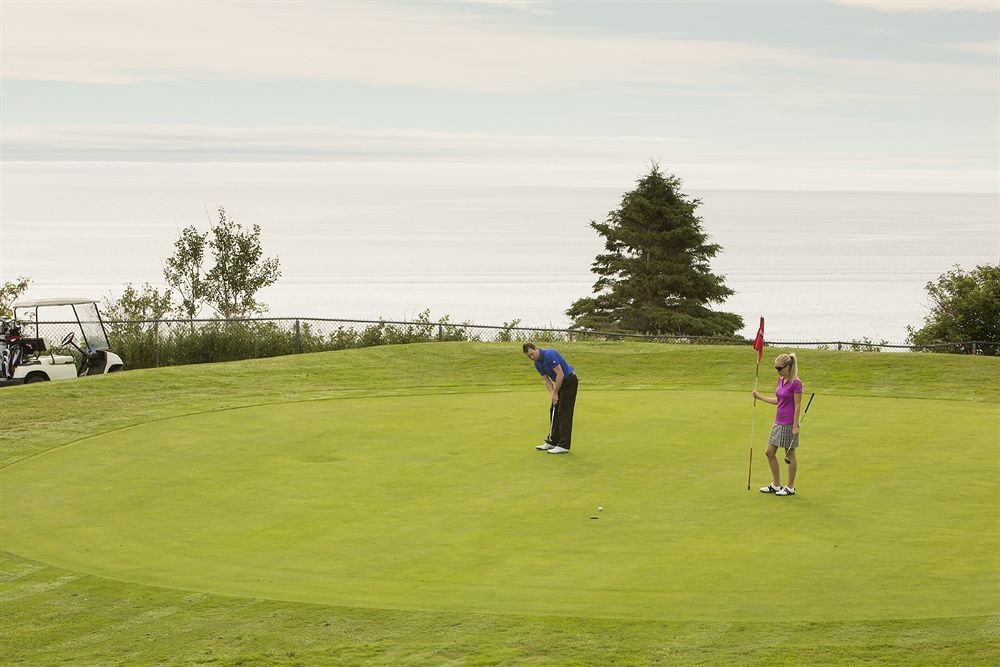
(655, 276)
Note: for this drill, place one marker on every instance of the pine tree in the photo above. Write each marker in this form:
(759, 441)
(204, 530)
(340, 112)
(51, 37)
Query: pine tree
(655, 276)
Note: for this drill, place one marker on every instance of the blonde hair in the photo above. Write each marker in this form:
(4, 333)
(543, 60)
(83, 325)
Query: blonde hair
(786, 360)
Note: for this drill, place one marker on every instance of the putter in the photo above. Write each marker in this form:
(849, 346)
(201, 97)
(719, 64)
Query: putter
(552, 423)
(804, 413)
(552, 420)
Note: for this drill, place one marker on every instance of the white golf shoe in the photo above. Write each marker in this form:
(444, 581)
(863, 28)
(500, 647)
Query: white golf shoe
(785, 491)
(558, 450)
(544, 446)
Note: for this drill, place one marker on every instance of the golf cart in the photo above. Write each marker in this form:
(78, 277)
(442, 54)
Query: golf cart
(33, 356)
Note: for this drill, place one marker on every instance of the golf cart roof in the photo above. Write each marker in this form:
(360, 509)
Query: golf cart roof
(65, 301)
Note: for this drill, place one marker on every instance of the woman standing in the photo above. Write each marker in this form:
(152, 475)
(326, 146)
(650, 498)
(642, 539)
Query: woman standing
(785, 433)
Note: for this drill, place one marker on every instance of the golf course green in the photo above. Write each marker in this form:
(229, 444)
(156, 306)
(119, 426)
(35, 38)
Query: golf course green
(404, 481)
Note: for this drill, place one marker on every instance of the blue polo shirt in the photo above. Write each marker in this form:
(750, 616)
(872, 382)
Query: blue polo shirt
(547, 362)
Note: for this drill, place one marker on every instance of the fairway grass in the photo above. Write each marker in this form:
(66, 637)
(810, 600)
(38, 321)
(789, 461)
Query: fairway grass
(386, 505)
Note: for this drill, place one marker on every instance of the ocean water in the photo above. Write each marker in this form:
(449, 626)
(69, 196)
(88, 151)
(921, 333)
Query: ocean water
(818, 265)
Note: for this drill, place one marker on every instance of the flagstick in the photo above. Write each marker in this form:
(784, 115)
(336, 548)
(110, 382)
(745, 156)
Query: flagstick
(758, 346)
(753, 423)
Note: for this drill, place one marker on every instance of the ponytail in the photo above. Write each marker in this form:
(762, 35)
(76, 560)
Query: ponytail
(792, 362)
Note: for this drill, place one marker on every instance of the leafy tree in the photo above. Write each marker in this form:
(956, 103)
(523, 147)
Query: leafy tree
(132, 319)
(183, 271)
(240, 269)
(10, 292)
(655, 276)
(964, 307)
(146, 303)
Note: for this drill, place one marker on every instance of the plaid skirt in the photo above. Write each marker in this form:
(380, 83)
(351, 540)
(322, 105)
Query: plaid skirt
(781, 436)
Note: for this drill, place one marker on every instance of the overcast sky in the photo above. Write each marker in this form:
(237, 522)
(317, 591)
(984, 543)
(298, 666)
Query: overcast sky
(859, 94)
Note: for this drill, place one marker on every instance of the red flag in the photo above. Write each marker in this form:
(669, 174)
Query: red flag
(758, 342)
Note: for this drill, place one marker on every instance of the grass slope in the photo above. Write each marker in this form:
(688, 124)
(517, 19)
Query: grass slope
(859, 559)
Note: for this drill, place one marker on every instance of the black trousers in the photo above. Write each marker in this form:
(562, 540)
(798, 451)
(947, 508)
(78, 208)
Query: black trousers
(561, 413)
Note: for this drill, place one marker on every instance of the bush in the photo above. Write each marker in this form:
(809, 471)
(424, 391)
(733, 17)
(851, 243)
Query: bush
(965, 306)
(147, 344)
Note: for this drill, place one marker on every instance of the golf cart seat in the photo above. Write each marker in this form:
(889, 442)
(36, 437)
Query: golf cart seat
(32, 346)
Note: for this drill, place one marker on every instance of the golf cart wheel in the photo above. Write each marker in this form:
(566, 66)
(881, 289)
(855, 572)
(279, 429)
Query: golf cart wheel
(36, 377)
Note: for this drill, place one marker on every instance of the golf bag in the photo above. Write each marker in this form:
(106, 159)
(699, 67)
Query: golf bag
(10, 335)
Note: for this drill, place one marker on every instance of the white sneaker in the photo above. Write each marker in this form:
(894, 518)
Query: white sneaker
(770, 488)
(544, 446)
(558, 450)
(785, 491)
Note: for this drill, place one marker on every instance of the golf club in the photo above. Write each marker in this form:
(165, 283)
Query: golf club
(804, 413)
(552, 424)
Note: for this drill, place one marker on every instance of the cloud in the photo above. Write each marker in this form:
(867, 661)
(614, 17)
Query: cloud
(985, 6)
(441, 158)
(528, 6)
(981, 48)
(162, 142)
(116, 43)
(123, 43)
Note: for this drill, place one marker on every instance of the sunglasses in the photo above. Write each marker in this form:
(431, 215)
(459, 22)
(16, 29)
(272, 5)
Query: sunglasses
(778, 368)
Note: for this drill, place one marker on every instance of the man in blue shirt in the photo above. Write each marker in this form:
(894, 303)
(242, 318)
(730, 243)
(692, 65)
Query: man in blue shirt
(562, 383)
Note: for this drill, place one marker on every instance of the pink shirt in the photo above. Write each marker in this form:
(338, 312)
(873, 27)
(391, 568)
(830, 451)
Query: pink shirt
(786, 400)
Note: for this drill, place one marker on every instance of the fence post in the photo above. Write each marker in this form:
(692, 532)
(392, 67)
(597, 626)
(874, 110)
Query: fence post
(973, 347)
(839, 344)
(156, 342)
(440, 332)
(298, 337)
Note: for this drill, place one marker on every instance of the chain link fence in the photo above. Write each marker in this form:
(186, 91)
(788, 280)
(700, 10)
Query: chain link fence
(154, 343)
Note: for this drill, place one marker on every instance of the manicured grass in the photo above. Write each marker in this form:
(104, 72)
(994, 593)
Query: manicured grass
(385, 505)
